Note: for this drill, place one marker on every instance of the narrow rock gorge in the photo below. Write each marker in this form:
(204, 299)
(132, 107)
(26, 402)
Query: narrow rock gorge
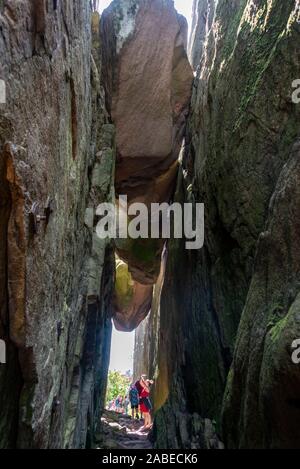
(122, 106)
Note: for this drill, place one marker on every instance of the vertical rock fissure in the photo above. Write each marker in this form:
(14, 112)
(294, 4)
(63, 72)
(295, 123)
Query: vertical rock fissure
(73, 119)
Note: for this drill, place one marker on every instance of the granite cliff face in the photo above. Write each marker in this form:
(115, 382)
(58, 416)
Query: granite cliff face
(56, 277)
(236, 299)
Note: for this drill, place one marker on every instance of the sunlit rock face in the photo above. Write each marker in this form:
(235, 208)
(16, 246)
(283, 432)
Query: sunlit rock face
(132, 299)
(203, 16)
(148, 82)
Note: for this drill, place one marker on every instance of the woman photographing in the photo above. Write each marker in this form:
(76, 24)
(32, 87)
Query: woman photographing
(145, 403)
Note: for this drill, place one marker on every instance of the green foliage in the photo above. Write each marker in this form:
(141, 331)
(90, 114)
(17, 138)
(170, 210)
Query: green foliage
(117, 385)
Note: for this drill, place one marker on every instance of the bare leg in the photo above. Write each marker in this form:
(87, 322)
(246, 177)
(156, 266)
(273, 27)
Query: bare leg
(147, 421)
(144, 426)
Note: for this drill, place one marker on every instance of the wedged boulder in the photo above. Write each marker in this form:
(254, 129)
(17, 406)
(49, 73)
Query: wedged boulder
(132, 299)
(148, 82)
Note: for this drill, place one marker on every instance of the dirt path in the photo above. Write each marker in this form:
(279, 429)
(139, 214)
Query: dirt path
(121, 432)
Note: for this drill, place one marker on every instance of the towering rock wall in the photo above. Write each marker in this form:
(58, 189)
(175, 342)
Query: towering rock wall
(56, 276)
(241, 160)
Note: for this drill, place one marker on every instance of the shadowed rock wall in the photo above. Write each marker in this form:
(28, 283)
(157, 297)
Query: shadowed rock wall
(240, 159)
(56, 277)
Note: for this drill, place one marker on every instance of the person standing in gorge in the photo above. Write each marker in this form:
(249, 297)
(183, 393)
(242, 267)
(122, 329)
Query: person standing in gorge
(145, 403)
(134, 401)
(126, 404)
(119, 404)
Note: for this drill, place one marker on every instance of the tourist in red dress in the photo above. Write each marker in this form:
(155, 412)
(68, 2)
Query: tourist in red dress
(145, 403)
